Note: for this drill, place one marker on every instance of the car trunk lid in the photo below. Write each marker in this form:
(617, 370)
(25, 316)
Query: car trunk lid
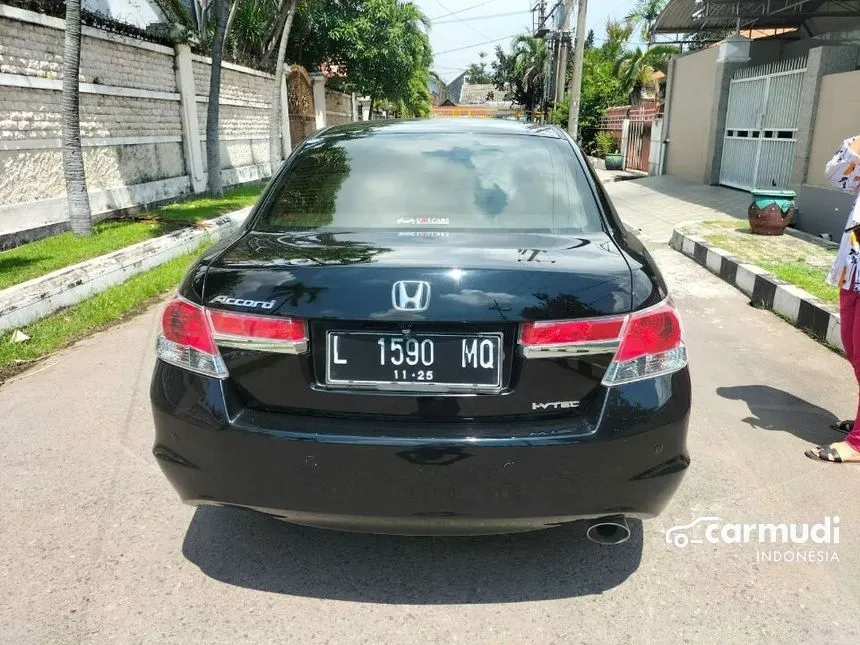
(480, 284)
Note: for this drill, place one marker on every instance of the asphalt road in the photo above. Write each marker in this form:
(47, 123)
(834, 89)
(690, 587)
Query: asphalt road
(97, 549)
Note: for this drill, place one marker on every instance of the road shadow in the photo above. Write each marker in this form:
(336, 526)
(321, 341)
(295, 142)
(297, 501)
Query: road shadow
(774, 409)
(255, 551)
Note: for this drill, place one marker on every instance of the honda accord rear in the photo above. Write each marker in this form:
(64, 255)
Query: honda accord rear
(428, 327)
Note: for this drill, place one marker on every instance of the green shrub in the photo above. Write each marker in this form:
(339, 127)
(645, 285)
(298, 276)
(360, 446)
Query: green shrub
(604, 144)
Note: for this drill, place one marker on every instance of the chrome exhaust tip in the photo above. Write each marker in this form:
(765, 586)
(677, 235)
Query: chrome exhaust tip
(612, 529)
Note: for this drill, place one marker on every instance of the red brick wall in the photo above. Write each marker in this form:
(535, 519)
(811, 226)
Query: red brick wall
(613, 118)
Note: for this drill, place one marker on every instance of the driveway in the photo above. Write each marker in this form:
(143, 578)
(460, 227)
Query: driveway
(97, 549)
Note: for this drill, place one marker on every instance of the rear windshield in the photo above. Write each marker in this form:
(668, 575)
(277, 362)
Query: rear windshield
(433, 181)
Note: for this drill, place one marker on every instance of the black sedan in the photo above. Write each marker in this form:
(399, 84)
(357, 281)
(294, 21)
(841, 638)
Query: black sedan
(428, 327)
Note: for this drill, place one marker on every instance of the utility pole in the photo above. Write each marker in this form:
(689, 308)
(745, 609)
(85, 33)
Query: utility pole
(540, 30)
(561, 70)
(576, 80)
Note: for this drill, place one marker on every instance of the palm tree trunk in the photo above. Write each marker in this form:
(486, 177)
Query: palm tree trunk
(276, 30)
(275, 115)
(201, 15)
(213, 150)
(77, 198)
(230, 20)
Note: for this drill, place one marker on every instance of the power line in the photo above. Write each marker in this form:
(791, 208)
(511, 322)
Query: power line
(496, 15)
(459, 19)
(452, 13)
(486, 42)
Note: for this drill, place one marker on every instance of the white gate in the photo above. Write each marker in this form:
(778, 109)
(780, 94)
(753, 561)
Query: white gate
(761, 125)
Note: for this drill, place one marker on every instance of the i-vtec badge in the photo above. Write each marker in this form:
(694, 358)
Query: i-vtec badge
(555, 405)
(239, 302)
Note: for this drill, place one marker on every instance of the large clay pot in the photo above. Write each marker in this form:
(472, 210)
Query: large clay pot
(771, 211)
(614, 161)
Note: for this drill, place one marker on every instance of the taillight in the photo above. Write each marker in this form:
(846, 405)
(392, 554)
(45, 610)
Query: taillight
(262, 333)
(645, 344)
(652, 345)
(536, 334)
(191, 334)
(186, 339)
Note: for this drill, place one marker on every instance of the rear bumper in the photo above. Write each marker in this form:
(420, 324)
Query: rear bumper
(400, 478)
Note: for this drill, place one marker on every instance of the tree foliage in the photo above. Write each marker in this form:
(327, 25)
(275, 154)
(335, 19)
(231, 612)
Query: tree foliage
(477, 73)
(589, 40)
(644, 15)
(601, 87)
(382, 46)
(617, 36)
(637, 67)
(521, 72)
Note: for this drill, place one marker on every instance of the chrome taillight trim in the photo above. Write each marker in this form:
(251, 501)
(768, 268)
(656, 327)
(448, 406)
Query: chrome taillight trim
(262, 345)
(569, 350)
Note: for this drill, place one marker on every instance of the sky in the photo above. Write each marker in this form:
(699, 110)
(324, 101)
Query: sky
(460, 24)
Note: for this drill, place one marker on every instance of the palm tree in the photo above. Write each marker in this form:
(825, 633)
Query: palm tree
(275, 112)
(645, 14)
(636, 68)
(530, 55)
(77, 198)
(617, 36)
(213, 112)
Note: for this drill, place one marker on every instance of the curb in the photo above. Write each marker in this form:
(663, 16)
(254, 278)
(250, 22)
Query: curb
(804, 310)
(23, 303)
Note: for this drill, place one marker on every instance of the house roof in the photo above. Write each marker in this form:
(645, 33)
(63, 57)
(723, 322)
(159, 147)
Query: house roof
(479, 93)
(818, 16)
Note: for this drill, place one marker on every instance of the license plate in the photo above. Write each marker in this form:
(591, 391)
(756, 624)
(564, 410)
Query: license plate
(414, 361)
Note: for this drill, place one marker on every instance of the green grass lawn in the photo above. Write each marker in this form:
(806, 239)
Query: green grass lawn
(808, 278)
(43, 256)
(798, 262)
(66, 326)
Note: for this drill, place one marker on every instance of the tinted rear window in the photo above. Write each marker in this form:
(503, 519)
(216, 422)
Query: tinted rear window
(433, 181)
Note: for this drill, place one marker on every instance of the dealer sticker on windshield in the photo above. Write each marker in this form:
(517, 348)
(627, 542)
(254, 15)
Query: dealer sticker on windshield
(423, 220)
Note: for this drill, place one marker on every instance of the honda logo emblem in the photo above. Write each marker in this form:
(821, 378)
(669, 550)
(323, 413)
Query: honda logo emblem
(410, 295)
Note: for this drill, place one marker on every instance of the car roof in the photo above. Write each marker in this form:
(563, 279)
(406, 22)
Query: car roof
(443, 126)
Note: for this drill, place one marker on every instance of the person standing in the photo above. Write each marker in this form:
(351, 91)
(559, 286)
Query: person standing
(843, 171)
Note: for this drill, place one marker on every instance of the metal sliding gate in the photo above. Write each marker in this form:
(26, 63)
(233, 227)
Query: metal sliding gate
(761, 125)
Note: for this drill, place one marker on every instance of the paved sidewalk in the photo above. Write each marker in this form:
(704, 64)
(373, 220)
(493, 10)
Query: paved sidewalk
(607, 176)
(656, 205)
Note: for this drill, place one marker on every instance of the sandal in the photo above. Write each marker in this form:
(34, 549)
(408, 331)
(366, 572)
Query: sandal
(843, 426)
(827, 453)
